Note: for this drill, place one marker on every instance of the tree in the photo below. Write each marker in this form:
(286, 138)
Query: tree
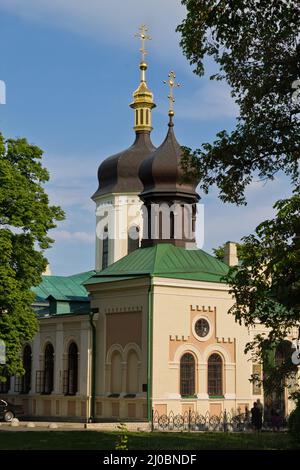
(256, 45)
(25, 219)
(266, 286)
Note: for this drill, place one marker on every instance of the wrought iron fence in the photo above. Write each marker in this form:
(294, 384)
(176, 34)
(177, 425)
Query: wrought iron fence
(193, 421)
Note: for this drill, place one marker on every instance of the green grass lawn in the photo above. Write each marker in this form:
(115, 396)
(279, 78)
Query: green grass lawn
(93, 440)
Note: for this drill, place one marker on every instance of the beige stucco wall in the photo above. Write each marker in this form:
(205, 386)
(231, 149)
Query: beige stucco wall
(121, 328)
(177, 305)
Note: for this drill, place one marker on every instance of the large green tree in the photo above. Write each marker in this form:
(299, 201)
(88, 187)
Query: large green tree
(25, 219)
(256, 44)
(257, 48)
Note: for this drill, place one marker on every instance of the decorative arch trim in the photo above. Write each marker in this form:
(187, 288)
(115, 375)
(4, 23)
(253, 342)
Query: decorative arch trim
(217, 349)
(187, 348)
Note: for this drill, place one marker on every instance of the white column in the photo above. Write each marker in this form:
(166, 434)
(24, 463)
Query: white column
(58, 359)
(84, 359)
(230, 389)
(202, 388)
(124, 378)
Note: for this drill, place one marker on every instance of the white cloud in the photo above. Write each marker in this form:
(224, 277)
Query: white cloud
(65, 235)
(110, 20)
(211, 101)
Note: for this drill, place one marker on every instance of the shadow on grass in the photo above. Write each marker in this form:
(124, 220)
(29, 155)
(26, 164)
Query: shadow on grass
(93, 440)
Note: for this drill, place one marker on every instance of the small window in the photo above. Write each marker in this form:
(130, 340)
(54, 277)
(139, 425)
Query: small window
(187, 375)
(202, 327)
(147, 117)
(133, 238)
(136, 117)
(142, 116)
(215, 375)
(105, 248)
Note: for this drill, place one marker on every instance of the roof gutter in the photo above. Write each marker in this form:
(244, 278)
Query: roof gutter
(92, 417)
(149, 349)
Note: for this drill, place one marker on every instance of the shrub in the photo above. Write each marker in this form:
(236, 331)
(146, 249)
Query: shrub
(294, 422)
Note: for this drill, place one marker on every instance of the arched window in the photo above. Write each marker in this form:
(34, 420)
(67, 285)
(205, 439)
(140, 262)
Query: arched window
(116, 373)
(215, 375)
(132, 385)
(26, 379)
(133, 238)
(72, 373)
(172, 225)
(187, 375)
(147, 117)
(49, 369)
(142, 116)
(105, 248)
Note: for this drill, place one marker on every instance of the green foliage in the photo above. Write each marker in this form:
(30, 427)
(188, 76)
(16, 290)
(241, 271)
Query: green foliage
(266, 287)
(25, 219)
(122, 438)
(267, 284)
(256, 46)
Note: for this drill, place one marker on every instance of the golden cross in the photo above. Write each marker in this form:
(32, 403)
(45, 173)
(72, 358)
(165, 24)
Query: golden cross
(143, 37)
(171, 82)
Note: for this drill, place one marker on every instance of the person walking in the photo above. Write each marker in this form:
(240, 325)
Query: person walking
(256, 417)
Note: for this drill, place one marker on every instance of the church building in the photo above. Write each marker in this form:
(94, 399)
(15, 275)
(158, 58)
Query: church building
(148, 328)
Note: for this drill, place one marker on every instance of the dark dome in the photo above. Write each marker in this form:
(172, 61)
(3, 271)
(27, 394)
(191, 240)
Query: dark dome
(161, 172)
(119, 173)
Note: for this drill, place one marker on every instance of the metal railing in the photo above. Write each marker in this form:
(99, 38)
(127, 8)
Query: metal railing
(193, 421)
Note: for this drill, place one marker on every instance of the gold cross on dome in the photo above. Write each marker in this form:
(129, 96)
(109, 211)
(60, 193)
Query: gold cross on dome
(172, 84)
(143, 37)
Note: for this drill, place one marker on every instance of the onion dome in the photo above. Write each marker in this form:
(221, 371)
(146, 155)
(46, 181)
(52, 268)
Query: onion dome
(119, 173)
(169, 197)
(162, 173)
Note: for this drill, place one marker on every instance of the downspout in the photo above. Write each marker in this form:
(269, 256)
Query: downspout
(149, 350)
(93, 368)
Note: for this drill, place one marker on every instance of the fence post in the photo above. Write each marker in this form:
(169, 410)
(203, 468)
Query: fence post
(152, 420)
(189, 420)
(225, 421)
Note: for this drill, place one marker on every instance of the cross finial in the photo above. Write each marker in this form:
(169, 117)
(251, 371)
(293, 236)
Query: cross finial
(172, 84)
(143, 37)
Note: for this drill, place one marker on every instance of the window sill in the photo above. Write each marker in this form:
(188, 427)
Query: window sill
(216, 397)
(188, 397)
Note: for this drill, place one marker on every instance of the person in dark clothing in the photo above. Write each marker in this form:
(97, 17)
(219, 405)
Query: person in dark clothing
(276, 420)
(256, 417)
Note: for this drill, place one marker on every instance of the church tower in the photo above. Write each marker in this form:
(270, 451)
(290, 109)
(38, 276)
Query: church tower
(118, 206)
(169, 196)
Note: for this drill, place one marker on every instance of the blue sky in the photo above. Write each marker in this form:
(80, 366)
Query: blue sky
(70, 68)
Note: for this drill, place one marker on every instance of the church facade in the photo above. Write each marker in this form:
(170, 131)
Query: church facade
(149, 328)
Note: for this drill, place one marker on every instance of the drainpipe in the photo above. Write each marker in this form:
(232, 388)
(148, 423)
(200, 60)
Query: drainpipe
(149, 350)
(93, 369)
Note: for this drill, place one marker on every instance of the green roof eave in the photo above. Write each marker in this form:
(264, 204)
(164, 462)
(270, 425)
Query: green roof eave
(164, 260)
(67, 288)
(103, 279)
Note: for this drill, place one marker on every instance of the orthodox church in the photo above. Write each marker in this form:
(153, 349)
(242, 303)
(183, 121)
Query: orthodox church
(149, 328)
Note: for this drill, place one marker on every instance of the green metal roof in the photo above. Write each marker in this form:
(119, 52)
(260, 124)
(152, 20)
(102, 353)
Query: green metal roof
(64, 288)
(164, 260)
